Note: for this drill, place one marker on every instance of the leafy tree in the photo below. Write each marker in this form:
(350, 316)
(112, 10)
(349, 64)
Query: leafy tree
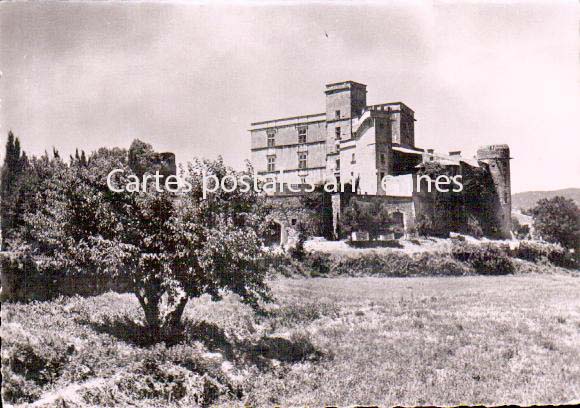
(441, 212)
(558, 220)
(373, 218)
(170, 247)
(319, 207)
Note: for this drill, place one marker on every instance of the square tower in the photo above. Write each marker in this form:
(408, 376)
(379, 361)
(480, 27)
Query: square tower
(344, 101)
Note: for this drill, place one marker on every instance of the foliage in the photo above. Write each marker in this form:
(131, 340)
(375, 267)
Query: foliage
(440, 211)
(521, 231)
(172, 248)
(373, 218)
(319, 207)
(558, 220)
(534, 251)
(11, 202)
(486, 259)
(386, 264)
(298, 252)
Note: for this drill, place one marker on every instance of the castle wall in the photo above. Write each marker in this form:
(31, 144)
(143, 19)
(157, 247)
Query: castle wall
(353, 141)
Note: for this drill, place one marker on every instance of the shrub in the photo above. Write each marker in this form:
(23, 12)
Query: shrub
(280, 264)
(486, 259)
(391, 243)
(395, 264)
(536, 251)
(29, 363)
(434, 264)
(24, 281)
(319, 263)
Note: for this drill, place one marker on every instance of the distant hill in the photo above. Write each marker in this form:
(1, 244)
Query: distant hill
(528, 199)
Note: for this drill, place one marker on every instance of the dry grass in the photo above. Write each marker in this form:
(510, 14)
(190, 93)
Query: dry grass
(441, 341)
(343, 341)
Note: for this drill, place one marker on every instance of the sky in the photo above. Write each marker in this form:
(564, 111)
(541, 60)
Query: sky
(190, 77)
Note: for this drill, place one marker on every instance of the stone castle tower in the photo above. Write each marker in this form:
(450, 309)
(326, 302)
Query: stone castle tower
(497, 158)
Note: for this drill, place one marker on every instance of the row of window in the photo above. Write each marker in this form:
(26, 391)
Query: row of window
(271, 135)
(302, 162)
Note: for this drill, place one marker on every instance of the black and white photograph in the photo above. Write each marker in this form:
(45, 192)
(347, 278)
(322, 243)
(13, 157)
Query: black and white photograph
(289, 203)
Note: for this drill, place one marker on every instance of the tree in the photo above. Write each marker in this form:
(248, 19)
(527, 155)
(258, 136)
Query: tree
(318, 205)
(373, 218)
(171, 247)
(13, 168)
(558, 220)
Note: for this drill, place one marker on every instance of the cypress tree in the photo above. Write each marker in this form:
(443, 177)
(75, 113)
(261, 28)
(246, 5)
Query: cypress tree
(13, 167)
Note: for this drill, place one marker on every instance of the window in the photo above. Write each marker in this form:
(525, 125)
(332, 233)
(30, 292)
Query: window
(337, 133)
(303, 180)
(271, 163)
(353, 160)
(294, 221)
(271, 138)
(302, 160)
(383, 160)
(337, 114)
(302, 135)
(337, 162)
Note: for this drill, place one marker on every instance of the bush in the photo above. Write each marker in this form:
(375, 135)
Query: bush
(30, 363)
(394, 264)
(319, 263)
(24, 281)
(486, 259)
(537, 251)
(281, 264)
(391, 243)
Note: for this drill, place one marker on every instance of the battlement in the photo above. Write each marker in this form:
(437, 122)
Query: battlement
(499, 151)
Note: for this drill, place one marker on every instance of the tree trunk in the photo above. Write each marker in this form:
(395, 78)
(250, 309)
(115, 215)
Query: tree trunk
(172, 327)
(162, 326)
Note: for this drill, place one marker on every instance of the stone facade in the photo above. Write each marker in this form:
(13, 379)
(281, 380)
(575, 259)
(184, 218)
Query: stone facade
(370, 146)
(349, 142)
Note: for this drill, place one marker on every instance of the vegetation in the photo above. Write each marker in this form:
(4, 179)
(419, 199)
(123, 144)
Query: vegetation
(520, 231)
(169, 248)
(558, 220)
(370, 341)
(440, 211)
(374, 218)
(544, 252)
(11, 196)
(485, 259)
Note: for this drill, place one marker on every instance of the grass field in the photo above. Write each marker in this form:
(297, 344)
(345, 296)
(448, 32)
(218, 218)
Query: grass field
(342, 341)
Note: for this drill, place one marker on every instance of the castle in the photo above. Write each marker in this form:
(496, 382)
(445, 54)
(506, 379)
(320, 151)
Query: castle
(373, 148)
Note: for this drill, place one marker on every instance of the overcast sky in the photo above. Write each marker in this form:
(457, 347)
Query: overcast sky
(189, 78)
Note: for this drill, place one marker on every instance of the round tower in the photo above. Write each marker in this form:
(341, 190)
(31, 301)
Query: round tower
(497, 158)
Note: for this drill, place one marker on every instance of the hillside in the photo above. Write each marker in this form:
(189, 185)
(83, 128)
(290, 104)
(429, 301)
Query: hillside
(528, 199)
